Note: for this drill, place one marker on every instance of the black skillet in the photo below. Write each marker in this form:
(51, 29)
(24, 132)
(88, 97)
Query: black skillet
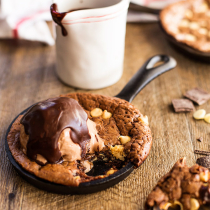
(181, 47)
(145, 74)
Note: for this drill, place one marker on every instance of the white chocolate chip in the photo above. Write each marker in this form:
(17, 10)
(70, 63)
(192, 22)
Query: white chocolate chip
(144, 120)
(194, 26)
(41, 159)
(204, 7)
(173, 30)
(188, 14)
(77, 177)
(203, 23)
(97, 112)
(205, 184)
(184, 24)
(118, 152)
(165, 206)
(199, 114)
(190, 38)
(207, 118)
(111, 171)
(204, 176)
(194, 204)
(87, 165)
(179, 204)
(206, 46)
(124, 139)
(106, 114)
(180, 37)
(203, 31)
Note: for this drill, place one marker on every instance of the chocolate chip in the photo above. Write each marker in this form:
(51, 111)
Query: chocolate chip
(182, 105)
(11, 196)
(200, 139)
(204, 161)
(197, 95)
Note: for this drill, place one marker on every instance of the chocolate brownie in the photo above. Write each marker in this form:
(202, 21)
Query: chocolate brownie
(124, 121)
(182, 188)
(188, 22)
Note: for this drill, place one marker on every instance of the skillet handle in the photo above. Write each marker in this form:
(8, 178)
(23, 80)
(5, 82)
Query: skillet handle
(145, 75)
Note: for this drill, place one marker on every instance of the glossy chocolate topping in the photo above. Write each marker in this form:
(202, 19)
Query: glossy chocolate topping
(58, 17)
(45, 121)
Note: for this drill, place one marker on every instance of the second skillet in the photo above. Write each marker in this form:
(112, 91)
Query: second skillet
(146, 73)
(183, 48)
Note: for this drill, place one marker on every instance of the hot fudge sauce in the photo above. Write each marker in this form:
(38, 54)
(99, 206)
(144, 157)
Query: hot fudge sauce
(45, 121)
(58, 17)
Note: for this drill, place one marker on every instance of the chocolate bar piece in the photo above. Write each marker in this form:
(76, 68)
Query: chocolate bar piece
(200, 139)
(183, 105)
(197, 95)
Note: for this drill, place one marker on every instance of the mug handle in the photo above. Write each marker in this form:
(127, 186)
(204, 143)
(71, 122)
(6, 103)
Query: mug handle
(145, 75)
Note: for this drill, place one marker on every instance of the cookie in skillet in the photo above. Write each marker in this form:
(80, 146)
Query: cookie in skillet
(112, 131)
(188, 22)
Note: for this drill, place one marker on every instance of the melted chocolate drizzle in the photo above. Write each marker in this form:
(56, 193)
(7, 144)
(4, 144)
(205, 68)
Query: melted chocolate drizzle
(45, 121)
(58, 17)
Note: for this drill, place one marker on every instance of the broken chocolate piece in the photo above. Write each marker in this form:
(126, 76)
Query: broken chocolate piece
(200, 152)
(200, 139)
(204, 161)
(197, 95)
(182, 105)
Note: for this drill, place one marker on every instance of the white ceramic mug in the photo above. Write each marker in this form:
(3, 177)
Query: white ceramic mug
(91, 55)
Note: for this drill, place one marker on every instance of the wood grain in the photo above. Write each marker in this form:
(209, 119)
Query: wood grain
(27, 75)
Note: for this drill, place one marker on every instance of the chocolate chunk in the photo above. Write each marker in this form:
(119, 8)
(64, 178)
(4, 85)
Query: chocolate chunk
(200, 152)
(182, 105)
(197, 95)
(200, 139)
(204, 161)
(11, 196)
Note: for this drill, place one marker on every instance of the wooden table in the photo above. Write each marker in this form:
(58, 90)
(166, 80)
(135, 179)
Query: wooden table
(27, 75)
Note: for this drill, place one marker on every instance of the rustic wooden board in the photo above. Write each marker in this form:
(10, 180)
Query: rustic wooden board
(27, 76)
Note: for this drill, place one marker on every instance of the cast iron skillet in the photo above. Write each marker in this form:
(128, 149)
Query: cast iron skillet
(145, 74)
(183, 48)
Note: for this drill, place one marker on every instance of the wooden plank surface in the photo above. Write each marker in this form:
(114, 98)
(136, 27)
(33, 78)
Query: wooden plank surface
(27, 76)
